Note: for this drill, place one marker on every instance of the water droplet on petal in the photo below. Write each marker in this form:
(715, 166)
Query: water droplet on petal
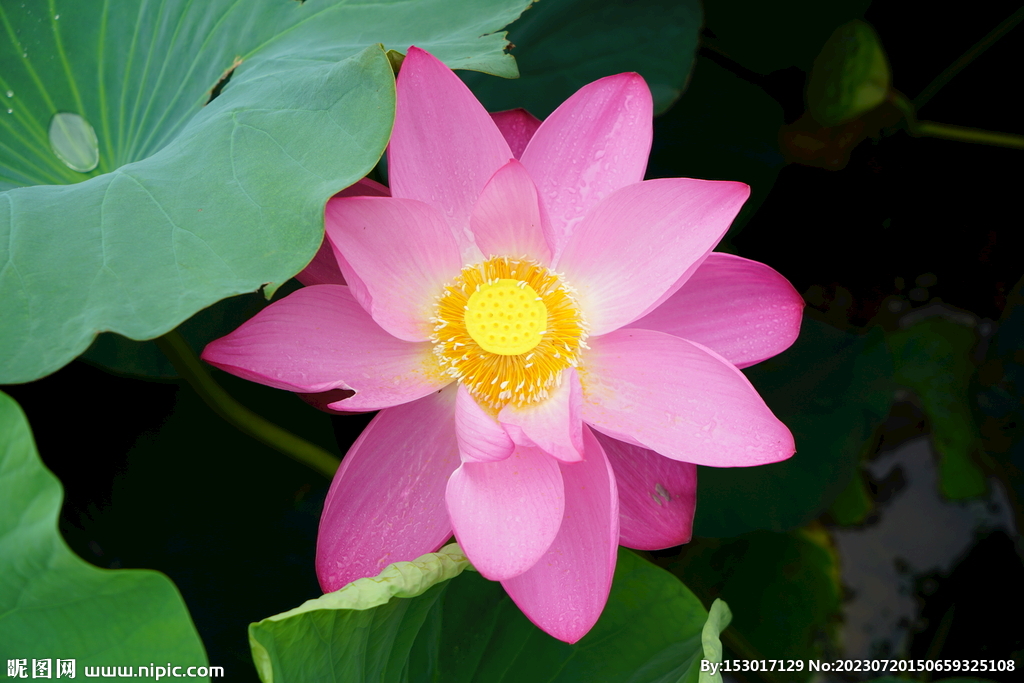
(73, 140)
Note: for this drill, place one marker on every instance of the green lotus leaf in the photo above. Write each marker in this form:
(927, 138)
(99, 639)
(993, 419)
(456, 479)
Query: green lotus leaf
(214, 131)
(54, 605)
(429, 620)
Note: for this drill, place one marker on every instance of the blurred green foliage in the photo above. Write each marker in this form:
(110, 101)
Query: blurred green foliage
(853, 504)
(999, 401)
(850, 77)
(831, 388)
(784, 591)
(723, 128)
(561, 45)
(769, 36)
(933, 360)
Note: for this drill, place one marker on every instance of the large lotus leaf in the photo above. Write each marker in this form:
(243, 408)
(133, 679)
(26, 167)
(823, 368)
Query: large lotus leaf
(358, 633)
(561, 45)
(188, 203)
(416, 623)
(831, 389)
(55, 605)
(144, 359)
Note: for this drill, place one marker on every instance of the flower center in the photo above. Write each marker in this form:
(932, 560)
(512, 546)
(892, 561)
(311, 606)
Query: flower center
(506, 317)
(507, 328)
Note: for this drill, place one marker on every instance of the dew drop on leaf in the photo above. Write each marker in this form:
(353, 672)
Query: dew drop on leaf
(73, 140)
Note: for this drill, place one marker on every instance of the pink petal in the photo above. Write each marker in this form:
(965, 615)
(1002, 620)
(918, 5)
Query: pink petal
(638, 242)
(676, 286)
(657, 496)
(506, 513)
(741, 309)
(396, 254)
(596, 142)
(481, 438)
(324, 399)
(566, 590)
(554, 425)
(679, 399)
(444, 146)
(318, 339)
(386, 503)
(323, 269)
(365, 188)
(517, 126)
(507, 221)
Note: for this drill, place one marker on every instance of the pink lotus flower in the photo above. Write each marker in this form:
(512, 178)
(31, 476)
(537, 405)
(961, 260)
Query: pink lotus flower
(550, 340)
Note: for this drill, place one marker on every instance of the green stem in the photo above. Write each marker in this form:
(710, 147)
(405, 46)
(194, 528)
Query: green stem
(968, 57)
(906, 108)
(976, 135)
(944, 130)
(221, 402)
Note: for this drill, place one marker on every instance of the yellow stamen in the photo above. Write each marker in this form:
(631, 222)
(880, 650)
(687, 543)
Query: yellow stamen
(507, 328)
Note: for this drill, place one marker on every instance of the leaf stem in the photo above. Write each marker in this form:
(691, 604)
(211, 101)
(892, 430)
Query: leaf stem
(966, 58)
(976, 135)
(946, 131)
(184, 359)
